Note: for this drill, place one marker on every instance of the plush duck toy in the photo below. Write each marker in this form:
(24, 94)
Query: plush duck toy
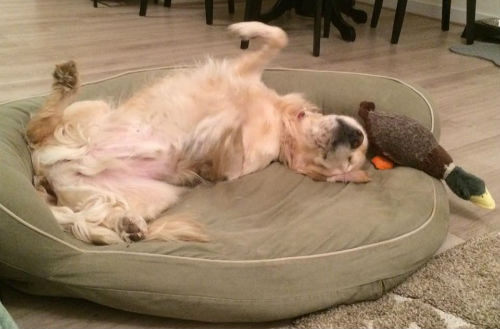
(406, 142)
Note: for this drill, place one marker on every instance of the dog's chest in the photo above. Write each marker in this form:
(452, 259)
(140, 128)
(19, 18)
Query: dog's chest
(261, 140)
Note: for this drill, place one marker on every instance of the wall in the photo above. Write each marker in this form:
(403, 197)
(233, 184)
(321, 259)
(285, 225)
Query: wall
(432, 8)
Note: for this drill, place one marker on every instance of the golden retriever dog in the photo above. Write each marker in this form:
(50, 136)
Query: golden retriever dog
(109, 172)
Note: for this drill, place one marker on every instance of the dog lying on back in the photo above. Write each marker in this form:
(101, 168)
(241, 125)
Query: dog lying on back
(109, 174)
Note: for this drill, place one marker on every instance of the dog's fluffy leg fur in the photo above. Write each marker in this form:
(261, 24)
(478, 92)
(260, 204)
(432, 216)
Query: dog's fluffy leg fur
(253, 63)
(64, 87)
(176, 227)
(96, 200)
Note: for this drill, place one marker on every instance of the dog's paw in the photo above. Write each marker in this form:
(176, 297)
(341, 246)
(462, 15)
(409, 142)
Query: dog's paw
(356, 176)
(132, 228)
(66, 75)
(252, 30)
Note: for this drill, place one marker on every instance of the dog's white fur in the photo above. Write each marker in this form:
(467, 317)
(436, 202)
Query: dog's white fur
(106, 172)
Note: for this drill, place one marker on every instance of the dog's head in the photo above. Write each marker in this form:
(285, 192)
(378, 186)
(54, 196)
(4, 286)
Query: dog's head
(319, 145)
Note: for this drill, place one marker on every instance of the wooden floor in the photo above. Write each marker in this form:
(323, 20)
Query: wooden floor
(34, 35)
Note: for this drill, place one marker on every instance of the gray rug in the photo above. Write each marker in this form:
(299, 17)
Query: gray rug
(485, 50)
(459, 288)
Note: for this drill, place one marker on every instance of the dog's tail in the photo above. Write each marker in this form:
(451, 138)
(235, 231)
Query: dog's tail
(274, 40)
(64, 87)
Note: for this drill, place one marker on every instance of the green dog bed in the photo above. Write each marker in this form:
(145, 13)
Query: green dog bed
(282, 245)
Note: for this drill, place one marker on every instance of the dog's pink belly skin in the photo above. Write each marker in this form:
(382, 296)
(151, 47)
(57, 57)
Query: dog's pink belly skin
(147, 168)
(136, 155)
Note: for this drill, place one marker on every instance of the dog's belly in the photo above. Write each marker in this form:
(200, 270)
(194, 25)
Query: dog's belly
(136, 150)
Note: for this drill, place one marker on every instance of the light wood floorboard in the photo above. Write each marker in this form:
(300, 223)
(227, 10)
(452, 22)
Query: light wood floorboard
(34, 35)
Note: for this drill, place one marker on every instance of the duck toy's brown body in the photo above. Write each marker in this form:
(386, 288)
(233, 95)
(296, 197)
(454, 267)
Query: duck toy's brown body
(406, 142)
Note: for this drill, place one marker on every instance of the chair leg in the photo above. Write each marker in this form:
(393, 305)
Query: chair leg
(347, 32)
(143, 8)
(445, 15)
(252, 12)
(209, 11)
(471, 18)
(377, 7)
(357, 15)
(398, 20)
(317, 27)
(327, 17)
(167, 3)
(230, 6)
(95, 3)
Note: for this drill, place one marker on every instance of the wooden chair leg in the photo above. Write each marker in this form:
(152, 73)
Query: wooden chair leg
(144, 7)
(209, 11)
(252, 12)
(95, 3)
(230, 6)
(445, 15)
(398, 20)
(347, 32)
(471, 18)
(377, 7)
(167, 3)
(317, 27)
(327, 17)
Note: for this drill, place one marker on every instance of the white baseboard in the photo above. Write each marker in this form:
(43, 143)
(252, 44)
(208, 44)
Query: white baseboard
(457, 15)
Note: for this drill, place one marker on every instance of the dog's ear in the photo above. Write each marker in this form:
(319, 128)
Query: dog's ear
(290, 105)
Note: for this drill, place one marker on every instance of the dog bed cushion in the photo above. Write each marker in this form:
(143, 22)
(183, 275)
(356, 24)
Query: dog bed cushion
(283, 245)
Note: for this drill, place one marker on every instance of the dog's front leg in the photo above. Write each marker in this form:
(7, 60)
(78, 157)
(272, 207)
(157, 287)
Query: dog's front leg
(355, 176)
(337, 175)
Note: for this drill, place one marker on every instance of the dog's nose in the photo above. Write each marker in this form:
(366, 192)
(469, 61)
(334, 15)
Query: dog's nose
(348, 135)
(355, 137)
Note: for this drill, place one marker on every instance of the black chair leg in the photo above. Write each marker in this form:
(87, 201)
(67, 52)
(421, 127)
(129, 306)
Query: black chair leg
(471, 18)
(95, 3)
(317, 27)
(327, 17)
(167, 3)
(209, 11)
(278, 9)
(143, 8)
(377, 7)
(358, 16)
(347, 32)
(252, 12)
(230, 6)
(445, 15)
(398, 20)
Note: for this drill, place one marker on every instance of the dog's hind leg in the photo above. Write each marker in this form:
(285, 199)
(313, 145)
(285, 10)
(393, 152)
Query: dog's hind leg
(107, 209)
(76, 223)
(253, 63)
(64, 88)
(147, 199)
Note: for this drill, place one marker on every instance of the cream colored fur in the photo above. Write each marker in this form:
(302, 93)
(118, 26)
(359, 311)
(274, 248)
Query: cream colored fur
(107, 171)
